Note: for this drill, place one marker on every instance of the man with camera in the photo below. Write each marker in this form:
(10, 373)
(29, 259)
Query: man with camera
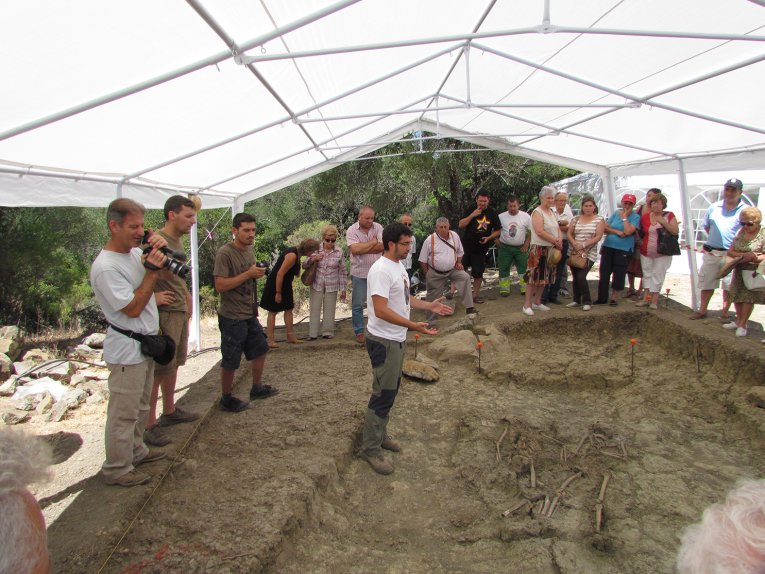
(180, 217)
(235, 273)
(123, 280)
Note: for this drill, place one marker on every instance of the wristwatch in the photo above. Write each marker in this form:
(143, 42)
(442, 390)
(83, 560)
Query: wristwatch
(624, 219)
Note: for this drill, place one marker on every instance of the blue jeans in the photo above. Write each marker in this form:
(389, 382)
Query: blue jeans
(359, 296)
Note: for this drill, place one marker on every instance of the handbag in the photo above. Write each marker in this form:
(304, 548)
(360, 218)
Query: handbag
(753, 280)
(309, 274)
(577, 260)
(668, 244)
(161, 348)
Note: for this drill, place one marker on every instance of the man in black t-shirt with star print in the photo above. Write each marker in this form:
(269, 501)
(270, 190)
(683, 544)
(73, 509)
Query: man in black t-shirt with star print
(481, 226)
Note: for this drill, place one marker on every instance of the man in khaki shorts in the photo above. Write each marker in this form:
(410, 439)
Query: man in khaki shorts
(721, 224)
(174, 304)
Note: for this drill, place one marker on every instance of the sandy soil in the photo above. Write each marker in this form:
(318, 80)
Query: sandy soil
(277, 488)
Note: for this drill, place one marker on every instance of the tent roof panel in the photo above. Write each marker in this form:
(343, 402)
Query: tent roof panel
(159, 90)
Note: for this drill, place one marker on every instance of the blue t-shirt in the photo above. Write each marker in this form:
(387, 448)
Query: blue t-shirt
(722, 225)
(621, 243)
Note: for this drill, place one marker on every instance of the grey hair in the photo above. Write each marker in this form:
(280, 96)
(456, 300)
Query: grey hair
(23, 460)
(731, 536)
(442, 220)
(547, 190)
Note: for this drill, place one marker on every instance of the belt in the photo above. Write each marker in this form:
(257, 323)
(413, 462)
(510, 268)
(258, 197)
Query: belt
(509, 245)
(706, 247)
(440, 272)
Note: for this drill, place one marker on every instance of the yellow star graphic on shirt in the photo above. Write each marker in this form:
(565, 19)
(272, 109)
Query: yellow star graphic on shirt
(483, 223)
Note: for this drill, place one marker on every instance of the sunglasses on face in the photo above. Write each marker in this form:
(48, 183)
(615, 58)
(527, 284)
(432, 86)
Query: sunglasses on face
(748, 223)
(328, 240)
(628, 203)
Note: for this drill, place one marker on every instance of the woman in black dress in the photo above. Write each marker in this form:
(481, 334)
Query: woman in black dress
(277, 294)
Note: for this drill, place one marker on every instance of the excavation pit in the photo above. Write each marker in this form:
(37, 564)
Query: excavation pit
(278, 488)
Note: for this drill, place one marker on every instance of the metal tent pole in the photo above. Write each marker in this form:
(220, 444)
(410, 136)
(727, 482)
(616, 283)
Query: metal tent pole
(195, 332)
(690, 237)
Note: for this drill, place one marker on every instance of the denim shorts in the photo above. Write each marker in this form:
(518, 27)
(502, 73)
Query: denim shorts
(239, 336)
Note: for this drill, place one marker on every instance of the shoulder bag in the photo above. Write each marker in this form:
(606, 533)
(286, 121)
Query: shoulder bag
(577, 259)
(308, 276)
(754, 280)
(161, 348)
(668, 244)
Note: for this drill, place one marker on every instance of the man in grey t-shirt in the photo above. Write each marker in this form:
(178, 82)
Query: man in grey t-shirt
(124, 289)
(235, 273)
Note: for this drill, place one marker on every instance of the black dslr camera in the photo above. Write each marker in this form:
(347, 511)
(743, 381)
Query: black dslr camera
(175, 259)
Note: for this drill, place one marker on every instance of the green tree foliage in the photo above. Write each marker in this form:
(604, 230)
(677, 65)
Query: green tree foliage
(48, 251)
(45, 262)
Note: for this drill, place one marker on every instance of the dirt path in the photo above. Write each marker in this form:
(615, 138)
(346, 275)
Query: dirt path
(277, 488)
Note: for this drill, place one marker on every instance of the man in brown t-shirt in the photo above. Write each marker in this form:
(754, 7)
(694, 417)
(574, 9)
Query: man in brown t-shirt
(174, 305)
(235, 273)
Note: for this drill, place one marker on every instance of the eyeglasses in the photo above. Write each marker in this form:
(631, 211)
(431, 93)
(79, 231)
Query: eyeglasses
(328, 240)
(408, 224)
(747, 223)
(628, 203)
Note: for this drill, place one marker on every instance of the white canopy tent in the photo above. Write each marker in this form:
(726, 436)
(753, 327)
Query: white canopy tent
(235, 99)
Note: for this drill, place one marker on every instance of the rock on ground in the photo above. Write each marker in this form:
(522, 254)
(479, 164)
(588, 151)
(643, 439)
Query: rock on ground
(421, 371)
(11, 341)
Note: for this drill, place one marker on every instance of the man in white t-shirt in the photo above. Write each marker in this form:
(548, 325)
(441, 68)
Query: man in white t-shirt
(514, 242)
(388, 307)
(124, 289)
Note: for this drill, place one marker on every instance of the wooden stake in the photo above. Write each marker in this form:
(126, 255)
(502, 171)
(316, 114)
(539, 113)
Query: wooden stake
(600, 504)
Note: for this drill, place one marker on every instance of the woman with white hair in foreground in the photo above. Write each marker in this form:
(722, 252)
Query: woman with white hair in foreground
(23, 544)
(731, 536)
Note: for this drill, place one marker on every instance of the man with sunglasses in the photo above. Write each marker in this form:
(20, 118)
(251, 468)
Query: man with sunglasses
(721, 222)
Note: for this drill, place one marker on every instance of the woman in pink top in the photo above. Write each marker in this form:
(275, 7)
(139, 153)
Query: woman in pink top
(330, 280)
(655, 264)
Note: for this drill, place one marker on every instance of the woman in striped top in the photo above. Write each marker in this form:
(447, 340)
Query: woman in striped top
(584, 234)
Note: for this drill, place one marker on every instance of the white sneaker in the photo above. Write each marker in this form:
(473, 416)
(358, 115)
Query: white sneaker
(572, 305)
(741, 332)
(540, 307)
(527, 311)
(586, 308)
(730, 326)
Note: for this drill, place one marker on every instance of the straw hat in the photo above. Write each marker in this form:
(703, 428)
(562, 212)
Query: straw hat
(728, 264)
(553, 256)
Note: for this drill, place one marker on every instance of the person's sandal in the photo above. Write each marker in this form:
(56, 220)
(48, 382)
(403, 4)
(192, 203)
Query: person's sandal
(696, 316)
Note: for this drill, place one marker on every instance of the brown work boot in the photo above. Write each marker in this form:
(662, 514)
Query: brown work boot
(156, 437)
(378, 464)
(389, 444)
(132, 478)
(151, 456)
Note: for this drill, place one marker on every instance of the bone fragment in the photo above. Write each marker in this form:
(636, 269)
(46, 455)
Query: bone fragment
(515, 507)
(600, 503)
(533, 475)
(499, 442)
